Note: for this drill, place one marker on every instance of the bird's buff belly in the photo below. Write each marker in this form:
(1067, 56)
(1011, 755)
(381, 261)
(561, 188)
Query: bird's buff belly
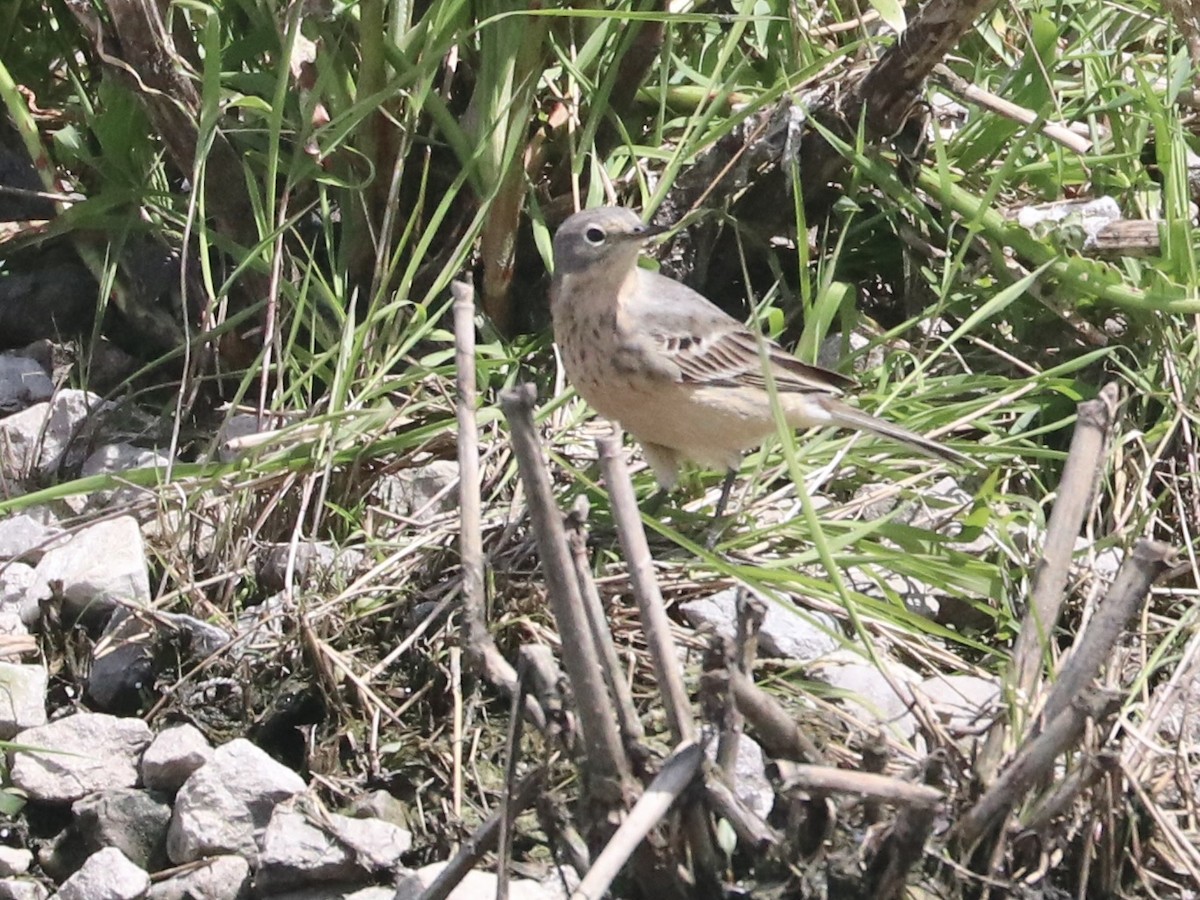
(707, 425)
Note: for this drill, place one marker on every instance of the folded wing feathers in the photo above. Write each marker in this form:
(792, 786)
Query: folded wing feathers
(730, 358)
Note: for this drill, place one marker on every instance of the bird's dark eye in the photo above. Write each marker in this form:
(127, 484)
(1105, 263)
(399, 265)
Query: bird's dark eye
(595, 235)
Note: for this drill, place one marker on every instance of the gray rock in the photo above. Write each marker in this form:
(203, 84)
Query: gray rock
(35, 441)
(304, 844)
(866, 691)
(235, 436)
(422, 493)
(15, 580)
(220, 878)
(787, 631)
(750, 782)
(226, 803)
(125, 660)
(131, 820)
(314, 564)
(173, 756)
(22, 889)
(11, 624)
(962, 702)
(26, 538)
(14, 861)
(112, 459)
(107, 875)
(380, 805)
(100, 567)
(833, 351)
(377, 845)
(22, 698)
(296, 852)
(78, 754)
(476, 885)
(339, 892)
(22, 382)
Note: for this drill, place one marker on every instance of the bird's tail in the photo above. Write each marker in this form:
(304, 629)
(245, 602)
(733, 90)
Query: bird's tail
(845, 416)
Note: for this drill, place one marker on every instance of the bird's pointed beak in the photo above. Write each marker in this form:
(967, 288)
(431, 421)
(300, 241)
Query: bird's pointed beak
(648, 231)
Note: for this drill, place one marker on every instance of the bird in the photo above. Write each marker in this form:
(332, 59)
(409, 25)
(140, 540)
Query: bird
(685, 378)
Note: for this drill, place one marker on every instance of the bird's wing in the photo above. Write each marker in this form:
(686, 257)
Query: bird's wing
(712, 348)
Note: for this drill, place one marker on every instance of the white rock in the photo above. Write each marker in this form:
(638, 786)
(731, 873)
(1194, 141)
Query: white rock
(377, 845)
(15, 581)
(112, 459)
(868, 692)
(787, 631)
(14, 861)
(421, 493)
(295, 852)
(475, 885)
(33, 441)
(226, 803)
(107, 875)
(100, 567)
(220, 878)
(26, 537)
(22, 698)
(173, 756)
(78, 754)
(750, 782)
(962, 702)
(22, 889)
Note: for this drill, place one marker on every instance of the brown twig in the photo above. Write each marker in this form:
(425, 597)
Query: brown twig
(1145, 563)
(1081, 474)
(828, 780)
(484, 838)
(750, 614)
(972, 93)
(677, 773)
(607, 771)
(751, 830)
(483, 657)
(1032, 762)
(904, 845)
(627, 718)
(645, 590)
(774, 728)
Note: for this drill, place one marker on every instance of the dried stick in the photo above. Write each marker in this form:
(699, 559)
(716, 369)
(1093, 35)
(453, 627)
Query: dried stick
(749, 827)
(1085, 462)
(775, 729)
(974, 94)
(1058, 801)
(1032, 762)
(483, 657)
(828, 780)
(627, 717)
(904, 845)
(484, 838)
(606, 776)
(1139, 569)
(750, 614)
(677, 773)
(645, 590)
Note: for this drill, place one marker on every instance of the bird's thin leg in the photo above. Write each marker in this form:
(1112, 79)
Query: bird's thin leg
(656, 501)
(726, 490)
(717, 526)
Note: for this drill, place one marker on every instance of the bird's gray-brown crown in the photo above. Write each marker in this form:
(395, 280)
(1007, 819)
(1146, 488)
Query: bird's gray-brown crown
(603, 234)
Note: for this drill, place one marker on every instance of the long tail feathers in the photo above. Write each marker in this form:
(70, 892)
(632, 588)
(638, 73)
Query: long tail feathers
(848, 417)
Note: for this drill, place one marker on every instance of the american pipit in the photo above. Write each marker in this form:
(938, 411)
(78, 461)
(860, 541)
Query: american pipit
(679, 374)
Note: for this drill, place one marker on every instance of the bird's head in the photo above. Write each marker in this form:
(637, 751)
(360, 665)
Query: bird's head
(607, 236)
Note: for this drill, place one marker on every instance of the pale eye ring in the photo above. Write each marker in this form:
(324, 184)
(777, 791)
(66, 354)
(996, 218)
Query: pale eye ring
(595, 235)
